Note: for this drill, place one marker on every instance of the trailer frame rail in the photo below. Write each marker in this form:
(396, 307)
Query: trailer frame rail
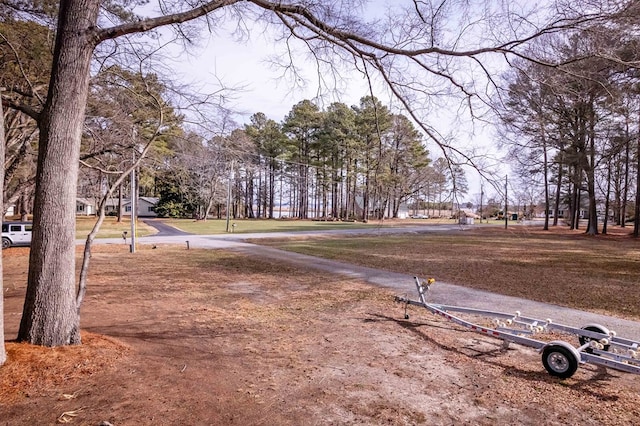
(597, 344)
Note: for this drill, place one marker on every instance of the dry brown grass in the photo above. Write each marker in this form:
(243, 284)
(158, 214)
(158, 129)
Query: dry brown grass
(600, 274)
(35, 370)
(215, 337)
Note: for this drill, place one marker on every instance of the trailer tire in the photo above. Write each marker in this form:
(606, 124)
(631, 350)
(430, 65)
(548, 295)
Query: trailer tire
(559, 360)
(595, 328)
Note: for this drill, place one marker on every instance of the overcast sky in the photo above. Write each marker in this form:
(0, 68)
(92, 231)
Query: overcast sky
(244, 65)
(260, 86)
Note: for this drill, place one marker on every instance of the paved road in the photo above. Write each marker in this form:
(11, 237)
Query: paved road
(444, 293)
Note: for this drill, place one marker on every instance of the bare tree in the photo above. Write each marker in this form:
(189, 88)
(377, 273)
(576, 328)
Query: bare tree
(21, 135)
(415, 44)
(406, 161)
(527, 122)
(573, 111)
(303, 125)
(3, 353)
(25, 58)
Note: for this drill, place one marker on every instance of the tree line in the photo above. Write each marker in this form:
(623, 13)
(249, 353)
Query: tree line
(573, 130)
(342, 163)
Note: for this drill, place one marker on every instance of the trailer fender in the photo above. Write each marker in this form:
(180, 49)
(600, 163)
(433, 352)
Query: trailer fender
(596, 328)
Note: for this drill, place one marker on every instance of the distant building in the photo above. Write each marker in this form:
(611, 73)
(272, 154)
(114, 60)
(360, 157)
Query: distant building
(111, 206)
(145, 207)
(11, 210)
(85, 207)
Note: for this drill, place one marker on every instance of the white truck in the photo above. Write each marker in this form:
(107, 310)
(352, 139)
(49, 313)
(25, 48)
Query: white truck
(16, 234)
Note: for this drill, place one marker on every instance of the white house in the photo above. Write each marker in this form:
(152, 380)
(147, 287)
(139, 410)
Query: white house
(145, 207)
(111, 206)
(85, 207)
(11, 210)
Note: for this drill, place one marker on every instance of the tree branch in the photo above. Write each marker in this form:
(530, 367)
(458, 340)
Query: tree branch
(149, 24)
(26, 109)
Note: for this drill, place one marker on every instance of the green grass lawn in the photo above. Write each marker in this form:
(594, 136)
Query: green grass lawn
(110, 228)
(219, 226)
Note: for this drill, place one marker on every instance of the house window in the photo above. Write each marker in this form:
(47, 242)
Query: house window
(127, 209)
(80, 207)
(151, 209)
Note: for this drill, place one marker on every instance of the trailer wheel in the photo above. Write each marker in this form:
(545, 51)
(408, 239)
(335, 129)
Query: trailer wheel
(559, 360)
(596, 328)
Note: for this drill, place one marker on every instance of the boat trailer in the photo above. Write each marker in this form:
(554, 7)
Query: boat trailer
(597, 344)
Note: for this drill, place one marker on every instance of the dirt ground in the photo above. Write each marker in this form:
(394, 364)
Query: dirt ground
(207, 337)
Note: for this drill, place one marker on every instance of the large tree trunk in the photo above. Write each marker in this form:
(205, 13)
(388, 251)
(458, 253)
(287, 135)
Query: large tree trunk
(573, 198)
(607, 199)
(3, 353)
(545, 169)
(627, 168)
(120, 203)
(272, 187)
(50, 315)
(556, 202)
(590, 173)
(636, 214)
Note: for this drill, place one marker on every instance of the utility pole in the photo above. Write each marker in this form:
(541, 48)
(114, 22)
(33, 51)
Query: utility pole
(481, 196)
(229, 195)
(133, 206)
(506, 202)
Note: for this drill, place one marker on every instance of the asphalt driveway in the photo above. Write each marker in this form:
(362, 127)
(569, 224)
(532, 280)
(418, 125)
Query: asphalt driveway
(164, 230)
